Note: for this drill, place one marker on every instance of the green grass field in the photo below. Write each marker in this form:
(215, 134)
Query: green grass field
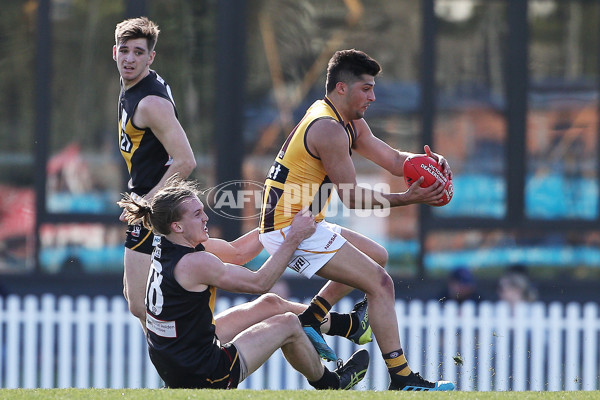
(185, 394)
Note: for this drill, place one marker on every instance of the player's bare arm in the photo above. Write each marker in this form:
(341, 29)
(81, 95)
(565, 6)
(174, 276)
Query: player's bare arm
(196, 271)
(372, 148)
(239, 251)
(158, 114)
(328, 141)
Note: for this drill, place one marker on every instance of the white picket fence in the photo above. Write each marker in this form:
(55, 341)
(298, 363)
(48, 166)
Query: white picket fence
(86, 342)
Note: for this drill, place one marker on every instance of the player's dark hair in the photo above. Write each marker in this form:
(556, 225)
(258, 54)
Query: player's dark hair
(136, 28)
(163, 209)
(347, 66)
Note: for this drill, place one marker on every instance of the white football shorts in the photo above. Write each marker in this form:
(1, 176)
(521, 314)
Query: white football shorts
(313, 252)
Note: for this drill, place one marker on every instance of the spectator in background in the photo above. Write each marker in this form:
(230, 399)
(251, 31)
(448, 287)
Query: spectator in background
(515, 287)
(461, 286)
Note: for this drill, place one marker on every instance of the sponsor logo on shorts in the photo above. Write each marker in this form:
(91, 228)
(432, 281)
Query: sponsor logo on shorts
(299, 264)
(328, 245)
(161, 328)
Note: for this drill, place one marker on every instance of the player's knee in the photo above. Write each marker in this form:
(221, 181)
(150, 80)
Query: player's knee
(380, 256)
(387, 283)
(382, 284)
(288, 322)
(273, 302)
(291, 319)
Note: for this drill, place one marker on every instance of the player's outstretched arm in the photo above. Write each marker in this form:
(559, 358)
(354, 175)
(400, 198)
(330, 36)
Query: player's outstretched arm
(198, 270)
(328, 140)
(239, 251)
(376, 150)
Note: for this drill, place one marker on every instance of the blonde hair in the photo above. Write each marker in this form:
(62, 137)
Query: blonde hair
(164, 208)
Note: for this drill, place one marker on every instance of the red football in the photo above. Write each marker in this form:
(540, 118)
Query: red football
(419, 165)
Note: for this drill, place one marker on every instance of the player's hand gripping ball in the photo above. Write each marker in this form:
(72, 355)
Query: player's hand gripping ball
(419, 165)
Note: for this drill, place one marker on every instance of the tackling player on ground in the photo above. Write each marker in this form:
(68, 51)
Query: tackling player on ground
(188, 345)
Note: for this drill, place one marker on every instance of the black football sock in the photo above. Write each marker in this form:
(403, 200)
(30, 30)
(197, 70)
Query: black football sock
(329, 380)
(396, 363)
(316, 311)
(342, 324)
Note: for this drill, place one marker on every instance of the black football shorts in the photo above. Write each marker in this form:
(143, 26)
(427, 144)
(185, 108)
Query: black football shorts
(139, 239)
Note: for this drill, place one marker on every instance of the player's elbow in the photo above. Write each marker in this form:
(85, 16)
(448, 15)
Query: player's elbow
(350, 202)
(184, 166)
(243, 257)
(348, 198)
(239, 258)
(258, 285)
(246, 254)
(264, 286)
(355, 203)
(189, 164)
